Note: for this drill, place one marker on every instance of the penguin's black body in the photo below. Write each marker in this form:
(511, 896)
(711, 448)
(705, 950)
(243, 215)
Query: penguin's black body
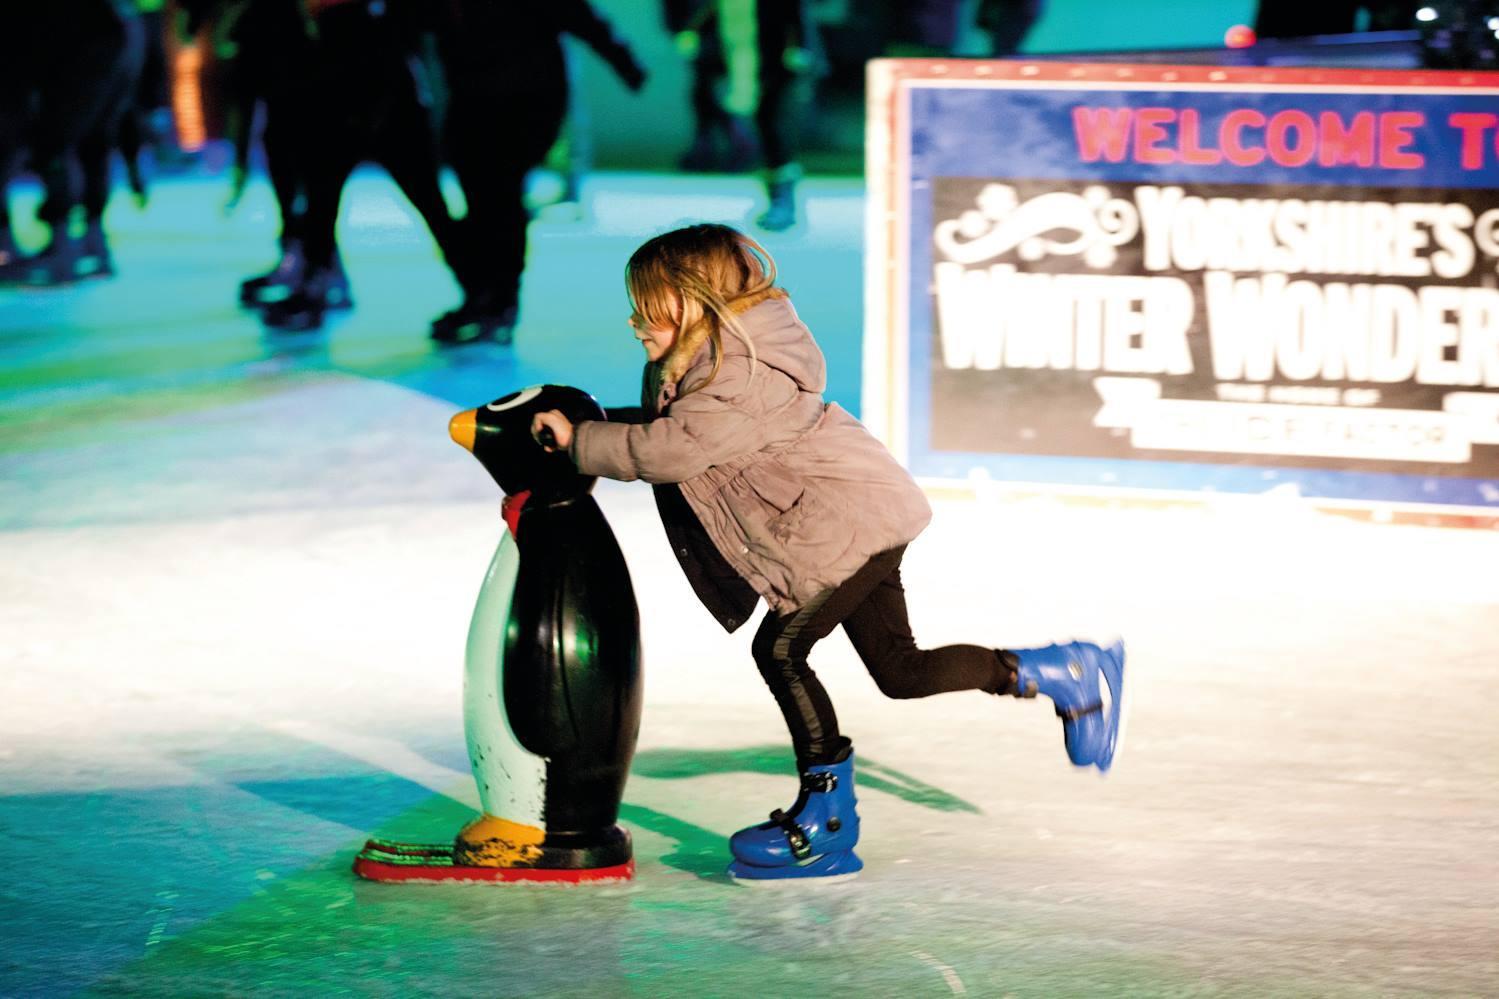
(552, 693)
(572, 673)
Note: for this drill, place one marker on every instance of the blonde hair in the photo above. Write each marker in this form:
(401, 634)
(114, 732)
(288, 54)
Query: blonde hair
(711, 267)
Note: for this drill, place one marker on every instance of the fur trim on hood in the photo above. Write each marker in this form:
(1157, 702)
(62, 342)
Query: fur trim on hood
(677, 360)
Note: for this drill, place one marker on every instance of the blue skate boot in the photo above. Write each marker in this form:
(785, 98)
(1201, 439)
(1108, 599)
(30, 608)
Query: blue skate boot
(1092, 725)
(815, 839)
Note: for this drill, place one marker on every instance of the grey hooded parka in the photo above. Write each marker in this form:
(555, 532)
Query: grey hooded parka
(794, 494)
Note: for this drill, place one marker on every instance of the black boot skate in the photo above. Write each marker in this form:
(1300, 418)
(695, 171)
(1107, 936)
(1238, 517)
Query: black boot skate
(277, 283)
(478, 318)
(55, 265)
(95, 260)
(304, 308)
(780, 185)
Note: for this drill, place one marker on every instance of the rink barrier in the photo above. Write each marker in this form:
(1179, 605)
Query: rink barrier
(1173, 279)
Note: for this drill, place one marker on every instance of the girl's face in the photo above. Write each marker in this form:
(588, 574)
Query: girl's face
(657, 340)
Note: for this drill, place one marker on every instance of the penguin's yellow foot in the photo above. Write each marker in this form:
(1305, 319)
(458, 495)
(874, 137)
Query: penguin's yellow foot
(490, 841)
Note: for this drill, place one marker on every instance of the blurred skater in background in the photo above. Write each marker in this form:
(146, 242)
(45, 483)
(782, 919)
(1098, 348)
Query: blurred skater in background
(721, 142)
(369, 97)
(769, 54)
(68, 78)
(508, 89)
(268, 50)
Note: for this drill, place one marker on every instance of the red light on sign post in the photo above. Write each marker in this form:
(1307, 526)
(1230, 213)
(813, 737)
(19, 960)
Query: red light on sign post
(187, 98)
(1240, 36)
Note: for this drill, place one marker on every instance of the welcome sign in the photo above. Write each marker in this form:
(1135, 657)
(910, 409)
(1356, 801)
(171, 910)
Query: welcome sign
(1187, 278)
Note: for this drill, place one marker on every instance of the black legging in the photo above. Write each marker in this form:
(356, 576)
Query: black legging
(778, 23)
(494, 140)
(82, 98)
(871, 606)
(369, 92)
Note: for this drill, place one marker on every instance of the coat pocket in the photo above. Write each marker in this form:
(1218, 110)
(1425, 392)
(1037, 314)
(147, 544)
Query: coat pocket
(793, 523)
(766, 503)
(774, 484)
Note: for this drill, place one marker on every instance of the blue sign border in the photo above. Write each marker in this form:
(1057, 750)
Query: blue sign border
(953, 130)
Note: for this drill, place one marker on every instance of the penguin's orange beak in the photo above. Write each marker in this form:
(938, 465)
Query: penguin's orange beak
(463, 427)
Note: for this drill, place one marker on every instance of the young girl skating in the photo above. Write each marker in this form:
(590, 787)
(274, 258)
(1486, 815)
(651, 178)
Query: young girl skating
(767, 491)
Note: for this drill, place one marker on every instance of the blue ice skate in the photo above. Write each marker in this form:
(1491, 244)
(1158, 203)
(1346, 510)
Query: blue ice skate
(815, 839)
(1092, 727)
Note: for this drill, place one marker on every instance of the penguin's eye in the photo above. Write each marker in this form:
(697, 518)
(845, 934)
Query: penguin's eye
(514, 399)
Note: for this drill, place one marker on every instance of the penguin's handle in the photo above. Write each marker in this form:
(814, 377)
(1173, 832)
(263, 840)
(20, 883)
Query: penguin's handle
(546, 437)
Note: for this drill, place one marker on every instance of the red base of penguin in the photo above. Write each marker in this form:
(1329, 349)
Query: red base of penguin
(389, 861)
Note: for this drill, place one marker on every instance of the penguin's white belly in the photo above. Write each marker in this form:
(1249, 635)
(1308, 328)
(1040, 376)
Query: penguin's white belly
(512, 779)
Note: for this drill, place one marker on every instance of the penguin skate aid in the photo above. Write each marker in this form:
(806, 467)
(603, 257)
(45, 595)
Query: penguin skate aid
(766, 492)
(552, 683)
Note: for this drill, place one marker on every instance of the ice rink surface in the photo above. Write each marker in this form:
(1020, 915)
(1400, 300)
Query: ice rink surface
(236, 570)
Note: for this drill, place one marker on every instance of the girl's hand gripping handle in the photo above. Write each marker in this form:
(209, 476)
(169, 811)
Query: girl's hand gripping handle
(552, 430)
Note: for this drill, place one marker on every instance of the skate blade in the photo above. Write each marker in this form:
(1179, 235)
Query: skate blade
(500, 334)
(771, 883)
(1114, 678)
(402, 848)
(826, 869)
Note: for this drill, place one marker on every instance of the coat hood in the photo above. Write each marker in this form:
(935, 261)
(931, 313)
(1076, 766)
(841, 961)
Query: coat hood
(781, 342)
